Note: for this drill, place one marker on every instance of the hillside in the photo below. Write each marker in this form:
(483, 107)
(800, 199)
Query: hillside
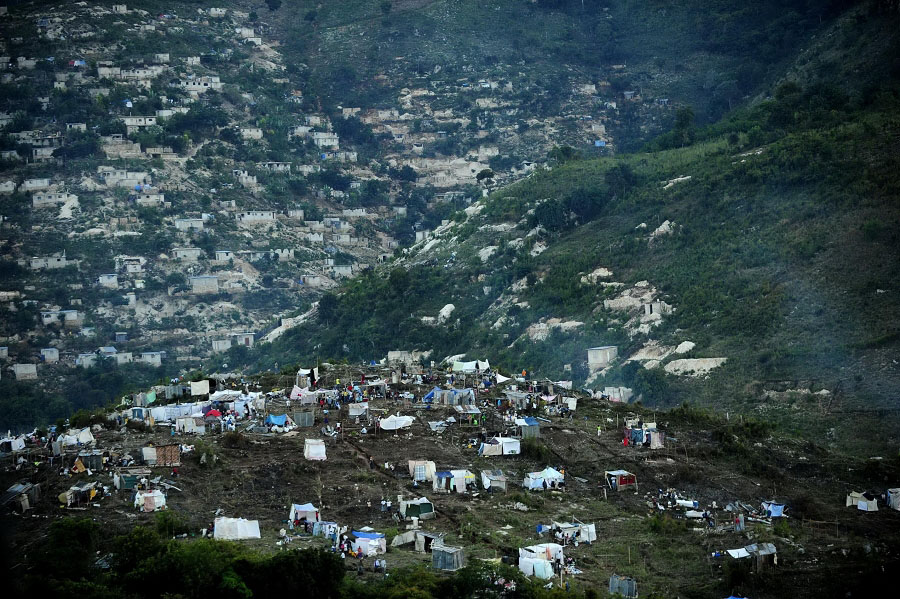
(770, 236)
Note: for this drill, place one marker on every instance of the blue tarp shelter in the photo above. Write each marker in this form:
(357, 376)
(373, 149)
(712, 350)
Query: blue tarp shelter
(276, 420)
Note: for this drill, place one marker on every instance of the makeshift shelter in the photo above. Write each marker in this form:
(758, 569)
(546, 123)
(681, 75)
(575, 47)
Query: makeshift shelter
(865, 502)
(500, 446)
(91, 458)
(444, 557)
(419, 508)
(469, 415)
(763, 555)
(421, 470)
(893, 498)
(22, 496)
(424, 541)
(235, 529)
(493, 480)
(772, 509)
(200, 388)
(545, 479)
(619, 480)
(81, 493)
(656, 439)
(471, 367)
(529, 428)
(307, 512)
(11, 444)
(358, 410)
(150, 501)
(314, 449)
(576, 531)
(537, 560)
(623, 585)
(128, 478)
(191, 425)
(280, 420)
(370, 543)
(392, 423)
(453, 480)
(81, 437)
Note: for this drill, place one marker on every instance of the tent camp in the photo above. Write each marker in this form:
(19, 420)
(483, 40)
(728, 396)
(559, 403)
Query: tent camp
(314, 449)
(500, 446)
(865, 502)
(307, 512)
(537, 560)
(369, 542)
(150, 501)
(421, 470)
(419, 508)
(619, 480)
(444, 557)
(449, 481)
(529, 428)
(493, 480)
(893, 498)
(235, 529)
(545, 479)
(392, 423)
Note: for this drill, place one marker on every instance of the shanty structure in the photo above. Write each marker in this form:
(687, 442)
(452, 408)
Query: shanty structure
(619, 480)
(421, 470)
(368, 542)
(419, 508)
(528, 427)
(893, 498)
(493, 480)
(498, 446)
(449, 481)
(468, 415)
(444, 557)
(150, 501)
(537, 560)
(623, 585)
(862, 501)
(306, 511)
(545, 479)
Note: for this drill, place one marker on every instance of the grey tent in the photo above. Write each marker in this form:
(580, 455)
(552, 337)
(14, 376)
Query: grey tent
(448, 558)
(623, 585)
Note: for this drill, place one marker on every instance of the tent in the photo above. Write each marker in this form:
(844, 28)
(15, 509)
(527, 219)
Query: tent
(623, 585)
(500, 446)
(358, 409)
(82, 437)
(424, 541)
(10, 444)
(150, 501)
(502, 379)
(212, 414)
(419, 508)
(421, 470)
(392, 423)
(864, 502)
(537, 560)
(576, 530)
(307, 511)
(281, 420)
(468, 414)
(619, 480)
(444, 557)
(200, 388)
(772, 509)
(528, 427)
(314, 449)
(453, 480)
(235, 529)
(493, 480)
(191, 424)
(893, 498)
(370, 543)
(470, 367)
(536, 480)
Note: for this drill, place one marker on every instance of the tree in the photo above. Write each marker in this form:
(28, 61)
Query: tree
(484, 174)
(328, 308)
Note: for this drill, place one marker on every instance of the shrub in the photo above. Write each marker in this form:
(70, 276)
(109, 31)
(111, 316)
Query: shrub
(532, 449)
(235, 440)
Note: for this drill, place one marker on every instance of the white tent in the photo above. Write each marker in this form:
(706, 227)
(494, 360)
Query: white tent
(358, 409)
(235, 529)
(150, 501)
(392, 423)
(860, 502)
(314, 449)
(200, 387)
(369, 542)
(15, 444)
(537, 560)
(84, 436)
(536, 480)
(493, 479)
(452, 480)
(421, 470)
(191, 424)
(500, 446)
(470, 367)
(307, 511)
(502, 379)
(577, 530)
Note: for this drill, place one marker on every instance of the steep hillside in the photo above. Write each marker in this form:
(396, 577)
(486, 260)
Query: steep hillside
(772, 237)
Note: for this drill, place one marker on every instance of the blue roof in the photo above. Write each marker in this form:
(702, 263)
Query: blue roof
(531, 421)
(276, 420)
(368, 535)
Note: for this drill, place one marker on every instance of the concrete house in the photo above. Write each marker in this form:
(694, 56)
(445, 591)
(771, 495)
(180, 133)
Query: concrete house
(217, 13)
(50, 355)
(86, 360)
(153, 358)
(120, 9)
(51, 262)
(161, 57)
(187, 254)
(245, 339)
(255, 217)
(224, 255)
(601, 357)
(187, 224)
(220, 345)
(136, 123)
(151, 199)
(324, 139)
(110, 281)
(342, 270)
(297, 213)
(76, 126)
(42, 154)
(25, 372)
(277, 167)
(204, 284)
(35, 184)
(251, 133)
(200, 85)
(51, 199)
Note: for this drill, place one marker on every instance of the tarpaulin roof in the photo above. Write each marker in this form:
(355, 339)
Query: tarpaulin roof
(368, 535)
(213, 414)
(277, 420)
(527, 421)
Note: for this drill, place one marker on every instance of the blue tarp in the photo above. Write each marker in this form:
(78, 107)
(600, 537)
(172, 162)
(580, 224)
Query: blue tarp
(368, 535)
(637, 435)
(432, 394)
(531, 421)
(773, 510)
(443, 474)
(276, 420)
